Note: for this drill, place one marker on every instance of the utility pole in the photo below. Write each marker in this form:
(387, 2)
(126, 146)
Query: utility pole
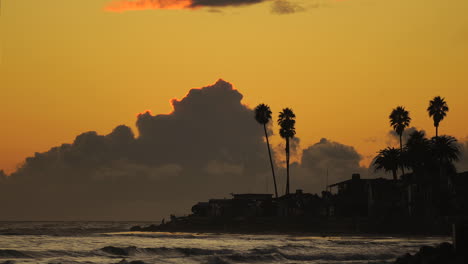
(326, 186)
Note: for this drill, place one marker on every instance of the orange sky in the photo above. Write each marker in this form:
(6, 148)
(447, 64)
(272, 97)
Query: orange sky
(70, 66)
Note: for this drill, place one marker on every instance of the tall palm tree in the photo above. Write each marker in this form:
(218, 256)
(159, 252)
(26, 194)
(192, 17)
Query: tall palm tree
(388, 160)
(399, 120)
(437, 109)
(286, 121)
(263, 116)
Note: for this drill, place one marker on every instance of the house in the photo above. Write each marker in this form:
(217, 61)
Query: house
(220, 208)
(384, 198)
(241, 205)
(252, 205)
(351, 198)
(299, 204)
(459, 194)
(201, 209)
(365, 197)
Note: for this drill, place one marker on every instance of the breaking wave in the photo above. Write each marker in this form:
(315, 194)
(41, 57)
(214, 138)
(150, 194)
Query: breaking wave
(132, 251)
(270, 254)
(111, 243)
(9, 253)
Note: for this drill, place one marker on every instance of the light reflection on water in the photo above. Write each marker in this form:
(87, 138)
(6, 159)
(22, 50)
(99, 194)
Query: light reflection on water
(83, 246)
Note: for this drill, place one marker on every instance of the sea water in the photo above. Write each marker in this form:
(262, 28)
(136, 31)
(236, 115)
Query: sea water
(111, 242)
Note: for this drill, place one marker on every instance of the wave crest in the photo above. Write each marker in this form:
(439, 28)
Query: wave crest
(10, 253)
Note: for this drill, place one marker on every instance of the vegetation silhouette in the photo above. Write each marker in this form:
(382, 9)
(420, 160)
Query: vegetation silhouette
(423, 156)
(417, 154)
(263, 116)
(388, 159)
(437, 109)
(399, 120)
(446, 151)
(286, 121)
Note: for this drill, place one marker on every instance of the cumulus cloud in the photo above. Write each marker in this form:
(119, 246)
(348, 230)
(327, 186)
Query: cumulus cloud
(219, 168)
(324, 163)
(326, 154)
(393, 138)
(209, 146)
(295, 151)
(337, 160)
(122, 169)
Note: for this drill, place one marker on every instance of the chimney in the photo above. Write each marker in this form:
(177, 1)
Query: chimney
(356, 176)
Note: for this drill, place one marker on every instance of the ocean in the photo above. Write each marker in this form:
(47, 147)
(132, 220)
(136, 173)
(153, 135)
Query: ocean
(110, 242)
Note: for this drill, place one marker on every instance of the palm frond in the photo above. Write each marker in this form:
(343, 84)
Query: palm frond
(262, 114)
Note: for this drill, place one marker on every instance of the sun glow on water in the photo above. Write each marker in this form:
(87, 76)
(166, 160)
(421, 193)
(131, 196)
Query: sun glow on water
(55, 243)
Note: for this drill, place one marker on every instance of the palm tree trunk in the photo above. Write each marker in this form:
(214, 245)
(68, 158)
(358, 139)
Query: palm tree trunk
(287, 165)
(395, 177)
(401, 155)
(271, 160)
(437, 131)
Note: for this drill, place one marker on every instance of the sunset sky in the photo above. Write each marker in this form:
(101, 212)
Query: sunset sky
(73, 66)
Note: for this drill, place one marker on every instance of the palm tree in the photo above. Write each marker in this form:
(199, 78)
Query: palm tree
(446, 151)
(446, 148)
(417, 153)
(263, 116)
(388, 160)
(399, 120)
(437, 109)
(286, 121)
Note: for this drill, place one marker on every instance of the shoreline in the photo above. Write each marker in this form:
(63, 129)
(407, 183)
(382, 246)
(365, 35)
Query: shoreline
(318, 226)
(214, 231)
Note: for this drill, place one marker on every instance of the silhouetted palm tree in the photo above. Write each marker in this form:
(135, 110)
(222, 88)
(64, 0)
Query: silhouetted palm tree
(388, 160)
(399, 120)
(263, 116)
(286, 120)
(417, 155)
(445, 150)
(437, 109)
